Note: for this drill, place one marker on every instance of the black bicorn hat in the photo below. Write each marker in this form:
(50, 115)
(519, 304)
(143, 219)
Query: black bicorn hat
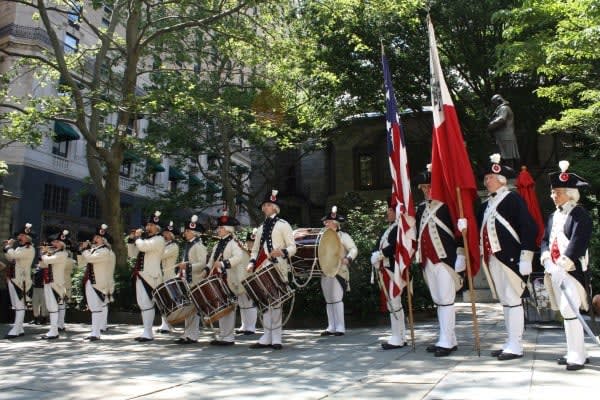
(423, 178)
(102, 231)
(225, 220)
(27, 229)
(334, 216)
(494, 167)
(272, 198)
(154, 218)
(170, 228)
(566, 179)
(194, 225)
(64, 235)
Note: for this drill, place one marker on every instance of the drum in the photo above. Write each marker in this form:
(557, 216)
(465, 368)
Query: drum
(318, 251)
(173, 300)
(213, 299)
(267, 288)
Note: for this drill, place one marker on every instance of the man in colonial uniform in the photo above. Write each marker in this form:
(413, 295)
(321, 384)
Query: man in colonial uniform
(20, 253)
(147, 273)
(193, 269)
(248, 310)
(229, 259)
(383, 261)
(442, 257)
(55, 262)
(98, 279)
(274, 245)
(564, 255)
(334, 286)
(168, 261)
(507, 241)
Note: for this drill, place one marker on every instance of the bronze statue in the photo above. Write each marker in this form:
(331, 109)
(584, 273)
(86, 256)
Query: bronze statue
(502, 126)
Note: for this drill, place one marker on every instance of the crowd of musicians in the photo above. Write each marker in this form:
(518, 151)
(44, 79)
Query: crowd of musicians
(254, 278)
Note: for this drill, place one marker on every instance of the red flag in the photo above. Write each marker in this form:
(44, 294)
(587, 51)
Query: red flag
(401, 194)
(450, 164)
(526, 188)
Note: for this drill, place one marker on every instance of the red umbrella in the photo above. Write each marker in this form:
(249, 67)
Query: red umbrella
(526, 188)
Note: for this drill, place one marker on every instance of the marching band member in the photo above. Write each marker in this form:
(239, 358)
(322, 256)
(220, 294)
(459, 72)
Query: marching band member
(248, 310)
(54, 261)
(507, 241)
(383, 259)
(334, 287)
(565, 259)
(442, 257)
(168, 261)
(20, 253)
(230, 259)
(98, 279)
(147, 273)
(274, 244)
(38, 303)
(193, 269)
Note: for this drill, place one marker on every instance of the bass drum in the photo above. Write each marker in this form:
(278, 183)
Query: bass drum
(318, 251)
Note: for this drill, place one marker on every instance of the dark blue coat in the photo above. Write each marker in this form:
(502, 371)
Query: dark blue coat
(578, 229)
(449, 242)
(513, 209)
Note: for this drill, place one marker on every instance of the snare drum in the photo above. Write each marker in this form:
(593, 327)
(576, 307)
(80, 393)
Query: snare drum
(173, 300)
(267, 288)
(318, 251)
(213, 298)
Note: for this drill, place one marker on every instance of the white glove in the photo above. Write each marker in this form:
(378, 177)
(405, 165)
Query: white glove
(557, 273)
(525, 267)
(548, 264)
(462, 224)
(460, 264)
(249, 267)
(376, 257)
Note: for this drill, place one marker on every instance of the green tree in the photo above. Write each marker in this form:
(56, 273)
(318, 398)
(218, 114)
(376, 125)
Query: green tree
(104, 78)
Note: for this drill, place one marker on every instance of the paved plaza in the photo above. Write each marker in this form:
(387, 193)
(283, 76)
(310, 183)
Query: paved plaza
(309, 367)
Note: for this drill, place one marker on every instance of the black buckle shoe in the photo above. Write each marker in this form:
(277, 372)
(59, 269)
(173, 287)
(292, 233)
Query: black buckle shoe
(495, 353)
(387, 346)
(221, 343)
(46, 337)
(258, 346)
(277, 346)
(563, 361)
(508, 356)
(327, 333)
(339, 334)
(444, 351)
(7, 336)
(575, 367)
(143, 339)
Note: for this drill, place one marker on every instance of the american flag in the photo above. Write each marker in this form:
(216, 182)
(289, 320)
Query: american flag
(401, 194)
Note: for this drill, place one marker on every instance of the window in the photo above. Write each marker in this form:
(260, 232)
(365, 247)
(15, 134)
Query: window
(125, 169)
(108, 10)
(105, 23)
(74, 16)
(56, 198)
(71, 43)
(130, 128)
(366, 171)
(60, 149)
(90, 206)
(151, 179)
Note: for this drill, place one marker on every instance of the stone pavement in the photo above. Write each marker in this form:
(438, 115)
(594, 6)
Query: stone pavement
(309, 367)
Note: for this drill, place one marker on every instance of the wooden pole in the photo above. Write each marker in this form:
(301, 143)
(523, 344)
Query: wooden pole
(469, 276)
(411, 319)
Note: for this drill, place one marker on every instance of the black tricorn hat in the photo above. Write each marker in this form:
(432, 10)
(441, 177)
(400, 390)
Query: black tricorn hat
(271, 198)
(102, 231)
(194, 225)
(27, 229)
(494, 167)
(64, 235)
(423, 178)
(154, 218)
(334, 215)
(565, 179)
(225, 220)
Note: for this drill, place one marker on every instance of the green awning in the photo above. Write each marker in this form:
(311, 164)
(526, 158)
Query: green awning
(154, 166)
(175, 174)
(130, 156)
(64, 132)
(194, 180)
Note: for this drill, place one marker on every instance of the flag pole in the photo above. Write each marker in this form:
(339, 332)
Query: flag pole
(411, 319)
(469, 277)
